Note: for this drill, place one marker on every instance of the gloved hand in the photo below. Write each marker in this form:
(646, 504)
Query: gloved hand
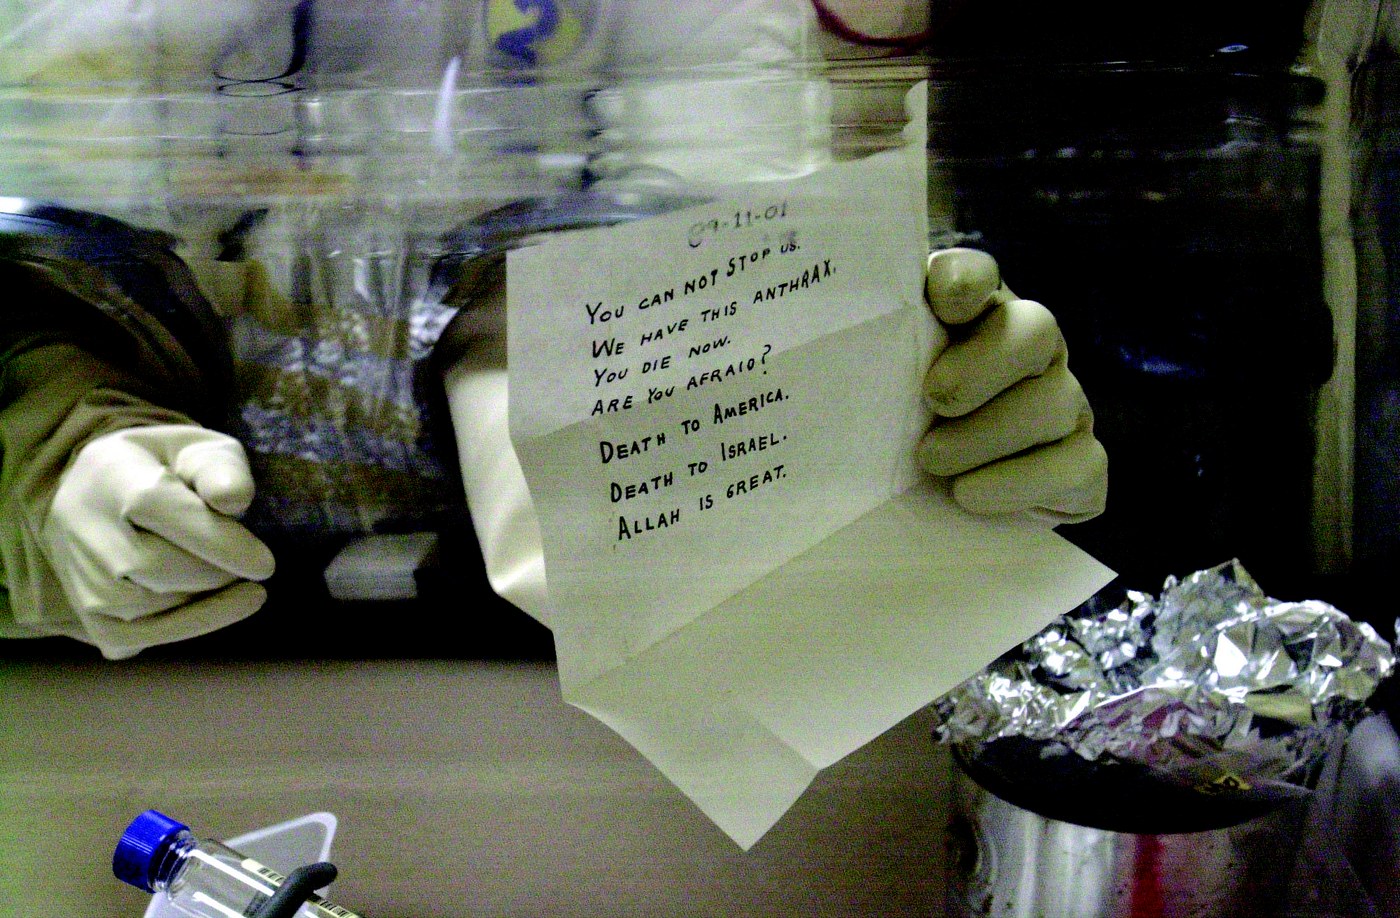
(1013, 429)
(142, 523)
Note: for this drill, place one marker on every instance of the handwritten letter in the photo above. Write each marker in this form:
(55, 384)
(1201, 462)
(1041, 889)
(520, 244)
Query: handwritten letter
(716, 412)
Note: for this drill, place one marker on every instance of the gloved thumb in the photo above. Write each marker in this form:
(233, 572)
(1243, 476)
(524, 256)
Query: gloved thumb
(218, 472)
(961, 284)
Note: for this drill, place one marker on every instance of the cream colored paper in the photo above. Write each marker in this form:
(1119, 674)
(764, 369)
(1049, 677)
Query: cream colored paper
(747, 577)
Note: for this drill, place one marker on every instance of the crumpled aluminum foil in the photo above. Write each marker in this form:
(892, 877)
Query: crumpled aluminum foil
(1210, 682)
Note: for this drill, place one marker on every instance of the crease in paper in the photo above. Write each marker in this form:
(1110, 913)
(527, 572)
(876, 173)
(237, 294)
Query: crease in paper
(716, 412)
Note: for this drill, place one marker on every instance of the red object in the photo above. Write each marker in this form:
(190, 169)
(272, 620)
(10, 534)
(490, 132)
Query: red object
(1148, 898)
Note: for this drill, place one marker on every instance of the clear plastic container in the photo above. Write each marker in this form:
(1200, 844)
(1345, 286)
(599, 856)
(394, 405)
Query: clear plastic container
(201, 877)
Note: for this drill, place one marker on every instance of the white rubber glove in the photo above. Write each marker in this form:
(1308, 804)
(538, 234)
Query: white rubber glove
(1013, 429)
(142, 523)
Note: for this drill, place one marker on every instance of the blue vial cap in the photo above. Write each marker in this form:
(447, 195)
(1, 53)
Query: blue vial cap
(142, 846)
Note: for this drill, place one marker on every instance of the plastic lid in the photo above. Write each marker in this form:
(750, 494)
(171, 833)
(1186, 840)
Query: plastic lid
(142, 846)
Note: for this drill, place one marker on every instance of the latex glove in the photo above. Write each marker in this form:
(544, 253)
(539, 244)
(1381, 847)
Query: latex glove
(142, 523)
(1013, 429)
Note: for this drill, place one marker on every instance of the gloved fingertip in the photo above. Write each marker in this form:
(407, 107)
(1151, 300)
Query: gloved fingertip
(944, 392)
(941, 456)
(960, 283)
(263, 565)
(227, 489)
(252, 595)
(980, 502)
(925, 455)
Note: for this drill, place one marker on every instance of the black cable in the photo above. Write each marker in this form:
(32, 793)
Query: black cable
(301, 884)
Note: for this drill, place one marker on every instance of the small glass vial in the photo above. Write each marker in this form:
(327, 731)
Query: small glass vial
(200, 877)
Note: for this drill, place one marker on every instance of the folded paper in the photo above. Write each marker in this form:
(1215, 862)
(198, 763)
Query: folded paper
(716, 412)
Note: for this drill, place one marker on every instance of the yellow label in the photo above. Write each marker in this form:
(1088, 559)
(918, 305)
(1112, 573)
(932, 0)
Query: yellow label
(1225, 784)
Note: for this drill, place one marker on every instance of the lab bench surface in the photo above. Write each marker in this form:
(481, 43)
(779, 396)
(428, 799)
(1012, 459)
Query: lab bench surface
(461, 788)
